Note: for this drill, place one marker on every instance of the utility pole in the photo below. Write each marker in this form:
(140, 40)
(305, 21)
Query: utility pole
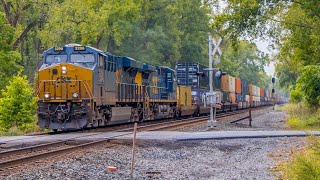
(211, 97)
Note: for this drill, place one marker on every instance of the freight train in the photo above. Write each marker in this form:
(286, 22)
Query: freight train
(82, 87)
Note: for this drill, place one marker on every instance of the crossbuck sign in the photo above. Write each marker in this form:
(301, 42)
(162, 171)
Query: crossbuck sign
(211, 97)
(216, 46)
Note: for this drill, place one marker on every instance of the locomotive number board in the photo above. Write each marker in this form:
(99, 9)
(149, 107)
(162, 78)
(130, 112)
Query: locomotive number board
(79, 48)
(58, 49)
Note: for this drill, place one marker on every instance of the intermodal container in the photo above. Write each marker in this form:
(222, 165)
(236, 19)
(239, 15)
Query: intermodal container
(239, 97)
(258, 91)
(266, 93)
(238, 85)
(232, 84)
(262, 92)
(256, 99)
(244, 88)
(192, 74)
(197, 95)
(225, 97)
(247, 98)
(255, 90)
(225, 83)
(184, 95)
(216, 83)
(232, 98)
(250, 89)
(251, 99)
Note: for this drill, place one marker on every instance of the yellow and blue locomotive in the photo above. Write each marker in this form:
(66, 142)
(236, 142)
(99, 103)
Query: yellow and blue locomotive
(80, 86)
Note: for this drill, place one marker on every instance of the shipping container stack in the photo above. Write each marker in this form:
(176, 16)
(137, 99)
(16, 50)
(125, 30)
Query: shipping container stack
(188, 75)
(225, 88)
(257, 95)
(232, 90)
(262, 96)
(266, 93)
(251, 104)
(228, 87)
(238, 91)
(245, 94)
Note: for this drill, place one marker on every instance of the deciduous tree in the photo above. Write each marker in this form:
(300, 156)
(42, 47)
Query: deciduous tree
(18, 105)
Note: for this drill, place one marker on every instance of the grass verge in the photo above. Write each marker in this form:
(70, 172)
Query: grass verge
(304, 164)
(301, 117)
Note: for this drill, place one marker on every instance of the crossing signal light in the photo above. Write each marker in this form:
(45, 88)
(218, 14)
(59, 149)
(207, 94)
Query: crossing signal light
(273, 91)
(273, 80)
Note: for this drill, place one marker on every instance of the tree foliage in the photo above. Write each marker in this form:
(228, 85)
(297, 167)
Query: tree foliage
(24, 16)
(89, 22)
(309, 84)
(245, 61)
(291, 25)
(9, 60)
(169, 32)
(17, 106)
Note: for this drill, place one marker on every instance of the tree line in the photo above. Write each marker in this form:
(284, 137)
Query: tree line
(159, 32)
(293, 28)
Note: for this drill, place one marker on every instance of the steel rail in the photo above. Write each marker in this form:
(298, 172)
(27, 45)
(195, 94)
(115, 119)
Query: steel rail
(41, 155)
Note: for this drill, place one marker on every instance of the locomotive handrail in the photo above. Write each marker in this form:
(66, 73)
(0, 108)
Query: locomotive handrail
(136, 93)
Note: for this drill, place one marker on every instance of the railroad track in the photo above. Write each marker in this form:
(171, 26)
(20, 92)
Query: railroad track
(14, 158)
(156, 126)
(10, 159)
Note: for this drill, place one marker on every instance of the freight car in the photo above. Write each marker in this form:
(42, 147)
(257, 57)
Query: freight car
(81, 86)
(232, 92)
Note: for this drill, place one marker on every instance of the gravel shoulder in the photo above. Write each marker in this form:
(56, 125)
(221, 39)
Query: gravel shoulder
(202, 159)
(212, 159)
(264, 119)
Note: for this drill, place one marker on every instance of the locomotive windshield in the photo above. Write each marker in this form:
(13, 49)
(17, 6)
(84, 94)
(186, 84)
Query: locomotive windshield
(85, 60)
(56, 58)
(82, 58)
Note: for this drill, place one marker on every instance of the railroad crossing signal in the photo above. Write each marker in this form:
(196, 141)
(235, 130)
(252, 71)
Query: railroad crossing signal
(216, 46)
(210, 97)
(216, 50)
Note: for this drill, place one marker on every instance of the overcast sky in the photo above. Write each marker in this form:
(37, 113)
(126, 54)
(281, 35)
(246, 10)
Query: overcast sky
(263, 46)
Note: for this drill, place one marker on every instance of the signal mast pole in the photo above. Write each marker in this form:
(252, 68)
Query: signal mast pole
(212, 122)
(211, 97)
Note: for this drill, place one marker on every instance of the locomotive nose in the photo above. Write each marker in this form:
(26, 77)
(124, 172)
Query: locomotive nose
(64, 82)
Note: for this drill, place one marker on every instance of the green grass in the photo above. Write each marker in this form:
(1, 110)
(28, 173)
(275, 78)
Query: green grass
(301, 117)
(305, 163)
(30, 128)
(14, 131)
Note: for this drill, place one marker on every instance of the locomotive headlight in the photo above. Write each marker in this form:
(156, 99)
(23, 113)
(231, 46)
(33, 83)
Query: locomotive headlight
(75, 95)
(47, 95)
(64, 70)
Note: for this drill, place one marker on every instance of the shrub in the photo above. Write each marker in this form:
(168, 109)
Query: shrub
(304, 164)
(18, 105)
(295, 96)
(302, 117)
(309, 85)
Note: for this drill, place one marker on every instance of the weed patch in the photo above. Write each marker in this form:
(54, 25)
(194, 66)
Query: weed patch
(304, 164)
(301, 117)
